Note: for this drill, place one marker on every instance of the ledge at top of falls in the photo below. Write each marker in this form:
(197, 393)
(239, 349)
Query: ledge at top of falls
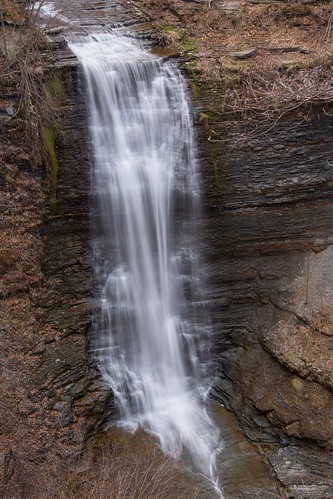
(61, 21)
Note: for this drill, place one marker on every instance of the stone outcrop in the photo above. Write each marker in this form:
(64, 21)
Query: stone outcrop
(268, 233)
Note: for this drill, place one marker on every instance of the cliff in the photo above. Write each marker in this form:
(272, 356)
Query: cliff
(260, 79)
(259, 72)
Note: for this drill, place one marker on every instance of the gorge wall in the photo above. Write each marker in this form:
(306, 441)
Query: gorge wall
(268, 237)
(53, 398)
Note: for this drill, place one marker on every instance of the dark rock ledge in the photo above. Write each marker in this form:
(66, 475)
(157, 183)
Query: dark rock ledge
(269, 234)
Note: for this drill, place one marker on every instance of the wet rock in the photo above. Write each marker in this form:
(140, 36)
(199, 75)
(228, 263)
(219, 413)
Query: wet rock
(268, 202)
(80, 404)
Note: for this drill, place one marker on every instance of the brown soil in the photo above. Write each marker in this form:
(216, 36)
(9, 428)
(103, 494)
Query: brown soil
(292, 59)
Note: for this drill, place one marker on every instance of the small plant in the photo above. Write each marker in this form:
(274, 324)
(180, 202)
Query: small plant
(169, 36)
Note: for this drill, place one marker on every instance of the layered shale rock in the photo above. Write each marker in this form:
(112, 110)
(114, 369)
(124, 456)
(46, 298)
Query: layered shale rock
(269, 239)
(267, 178)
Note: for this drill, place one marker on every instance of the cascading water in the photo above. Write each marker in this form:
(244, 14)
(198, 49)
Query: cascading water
(151, 334)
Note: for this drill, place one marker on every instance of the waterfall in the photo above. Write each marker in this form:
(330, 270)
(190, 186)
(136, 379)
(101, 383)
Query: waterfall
(151, 334)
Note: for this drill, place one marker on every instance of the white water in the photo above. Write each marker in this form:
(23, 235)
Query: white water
(151, 334)
(48, 10)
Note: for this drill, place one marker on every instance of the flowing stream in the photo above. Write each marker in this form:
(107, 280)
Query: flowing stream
(151, 336)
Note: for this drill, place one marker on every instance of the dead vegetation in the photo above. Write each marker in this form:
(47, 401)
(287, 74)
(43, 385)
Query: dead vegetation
(116, 466)
(288, 89)
(24, 439)
(26, 81)
(128, 467)
(290, 66)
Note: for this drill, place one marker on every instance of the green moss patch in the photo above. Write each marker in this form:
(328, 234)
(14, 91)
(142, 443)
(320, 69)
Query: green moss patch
(49, 134)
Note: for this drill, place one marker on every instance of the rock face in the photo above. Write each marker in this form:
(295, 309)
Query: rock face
(269, 233)
(268, 237)
(66, 302)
